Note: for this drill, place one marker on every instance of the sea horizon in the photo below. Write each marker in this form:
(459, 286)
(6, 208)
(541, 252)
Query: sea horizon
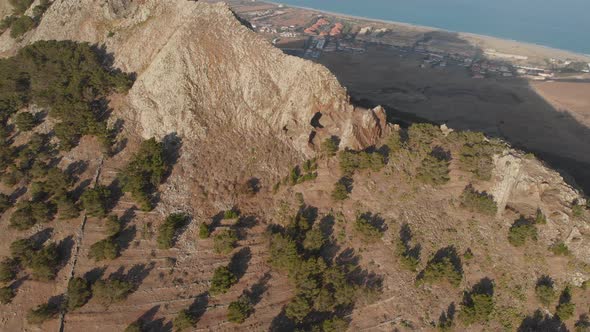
(338, 7)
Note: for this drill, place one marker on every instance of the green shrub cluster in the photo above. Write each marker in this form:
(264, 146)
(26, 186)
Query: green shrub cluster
(565, 309)
(560, 249)
(43, 261)
(42, 313)
(112, 225)
(478, 304)
(105, 249)
(521, 231)
(204, 231)
(342, 189)
(321, 285)
(225, 241)
(222, 280)
(445, 265)
(145, 172)
(8, 269)
(64, 76)
(302, 174)
(239, 310)
(409, 256)
(111, 290)
(545, 290)
(184, 320)
(476, 155)
(480, 202)
(95, 201)
(30, 213)
(231, 214)
(351, 161)
(168, 231)
(78, 293)
(25, 121)
(434, 170)
(5, 203)
(20, 6)
(421, 136)
(365, 226)
(330, 146)
(21, 25)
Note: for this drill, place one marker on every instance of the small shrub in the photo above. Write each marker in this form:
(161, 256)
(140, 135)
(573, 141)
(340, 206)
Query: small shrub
(366, 228)
(78, 293)
(239, 310)
(225, 241)
(583, 324)
(540, 218)
(5, 203)
(231, 214)
(330, 146)
(6, 295)
(314, 240)
(342, 189)
(409, 257)
(577, 210)
(521, 231)
(480, 202)
(111, 290)
(42, 313)
(565, 309)
(25, 121)
(433, 171)
(168, 231)
(112, 225)
(95, 201)
(184, 321)
(204, 231)
(8, 268)
(560, 249)
(545, 291)
(478, 304)
(222, 280)
(445, 265)
(106, 249)
(21, 26)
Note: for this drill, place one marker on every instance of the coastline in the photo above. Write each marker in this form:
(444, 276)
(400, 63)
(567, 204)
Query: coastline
(488, 40)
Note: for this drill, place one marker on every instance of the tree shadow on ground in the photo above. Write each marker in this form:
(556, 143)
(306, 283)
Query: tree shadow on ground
(375, 220)
(199, 306)
(238, 264)
(136, 274)
(64, 249)
(95, 274)
(541, 322)
(255, 292)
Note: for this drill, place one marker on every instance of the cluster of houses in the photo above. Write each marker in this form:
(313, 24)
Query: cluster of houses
(322, 27)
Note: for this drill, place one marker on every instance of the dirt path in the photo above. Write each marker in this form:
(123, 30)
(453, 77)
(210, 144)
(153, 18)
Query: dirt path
(79, 240)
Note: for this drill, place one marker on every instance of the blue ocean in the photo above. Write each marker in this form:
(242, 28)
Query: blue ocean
(563, 24)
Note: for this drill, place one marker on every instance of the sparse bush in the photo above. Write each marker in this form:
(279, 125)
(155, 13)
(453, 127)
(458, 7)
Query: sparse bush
(239, 310)
(225, 241)
(445, 265)
(78, 293)
(521, 231)
(184, 321)
(540, 218)
(111, 290)
(409, 257)
(560, 249)
(145, 172)
(222, 280)
(565, 309)
(433, 170)
(42, 313)
(231, 214)
(167, 232)
(112, 225)
(545, 291)
(330, 146)
(480, 202)
(341, 189)
(478, 304)
(95, 201)
(365, 227)
(204, 231)
(8, 268)
(6, 295)
(5, 203)
(106, 249)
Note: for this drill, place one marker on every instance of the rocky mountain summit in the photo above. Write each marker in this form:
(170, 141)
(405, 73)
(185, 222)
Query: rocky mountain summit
(333, 217)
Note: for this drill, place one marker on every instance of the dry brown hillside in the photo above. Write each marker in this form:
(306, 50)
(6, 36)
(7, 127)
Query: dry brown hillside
(266, 201)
